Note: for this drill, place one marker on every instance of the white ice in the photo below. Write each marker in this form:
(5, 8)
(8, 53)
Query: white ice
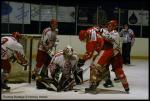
(137, 76)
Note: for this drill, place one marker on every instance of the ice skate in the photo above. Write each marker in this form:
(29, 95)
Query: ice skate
(116, 80)
(5, 87)
(127, 90)
(108, 84)
(91, 89)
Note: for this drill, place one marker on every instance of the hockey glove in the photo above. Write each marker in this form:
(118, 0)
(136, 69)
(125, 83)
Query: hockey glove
(80, 62)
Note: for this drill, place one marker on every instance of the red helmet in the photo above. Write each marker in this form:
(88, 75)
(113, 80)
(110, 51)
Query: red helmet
(16, 35)
(82, 35)
(54, 21)
(113, 22)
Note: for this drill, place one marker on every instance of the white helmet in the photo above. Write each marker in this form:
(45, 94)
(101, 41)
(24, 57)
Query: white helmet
(68, 51)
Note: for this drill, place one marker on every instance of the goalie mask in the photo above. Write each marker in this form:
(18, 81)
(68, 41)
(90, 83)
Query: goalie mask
(68, 51)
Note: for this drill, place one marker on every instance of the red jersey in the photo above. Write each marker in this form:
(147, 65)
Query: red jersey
(95, 43)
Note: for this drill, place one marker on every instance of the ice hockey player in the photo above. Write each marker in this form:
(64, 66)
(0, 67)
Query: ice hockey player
(61, 71)
(104, 49)
(112, 35)
(11, 51)
(45, 49)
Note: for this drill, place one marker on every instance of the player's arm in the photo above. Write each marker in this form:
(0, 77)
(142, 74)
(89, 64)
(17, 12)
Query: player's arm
(90, 46)
(44, 40)
(20, 57)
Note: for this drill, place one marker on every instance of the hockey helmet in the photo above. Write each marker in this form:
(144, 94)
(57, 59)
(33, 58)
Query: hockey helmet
(113, 23)
(16, 35)
(82, 35)
(54, 22)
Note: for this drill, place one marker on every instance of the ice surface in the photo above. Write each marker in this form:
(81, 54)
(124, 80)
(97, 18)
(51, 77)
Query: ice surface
(137, 76)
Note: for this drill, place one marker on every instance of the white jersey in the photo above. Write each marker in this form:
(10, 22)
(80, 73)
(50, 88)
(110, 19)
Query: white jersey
(67, 65)
(114, 38)
(8, 46)
(93, 33)
(48, 39)
(12, 49)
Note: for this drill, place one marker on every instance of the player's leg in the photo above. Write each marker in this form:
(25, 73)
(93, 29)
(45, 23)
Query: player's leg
(108, 83)
(40, 60)
(119, 71)
(98, 69)
(5, 70)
